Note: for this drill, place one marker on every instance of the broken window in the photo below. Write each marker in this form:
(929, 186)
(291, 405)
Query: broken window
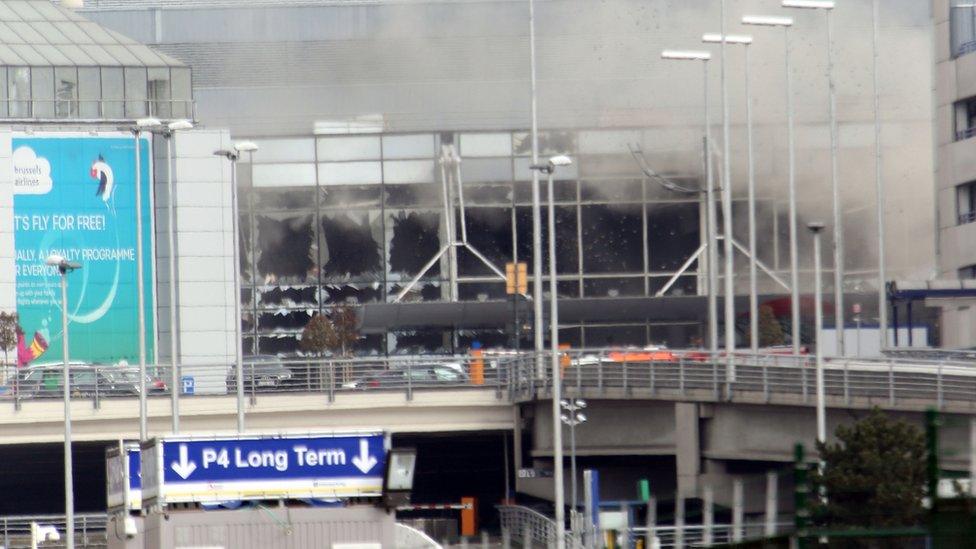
(285, 244)
(612, 241)
(673, 235)
(414, 241)
(352, 292)
(613, 287)
(489, 232)
(351, 245)
(567, 252)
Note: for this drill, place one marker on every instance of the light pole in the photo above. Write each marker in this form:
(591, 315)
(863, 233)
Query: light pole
(816, 228)
(573, 417)
(536, 207)
(175, 386)
(557, 432)
(828, 6)
(745, 41)
(727, 216)
(143, 124)
(233, 156)
(704, 57)
(64, 267)
(786, 23)
(879, 186)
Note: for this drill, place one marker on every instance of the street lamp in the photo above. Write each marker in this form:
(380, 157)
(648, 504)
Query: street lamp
(704, 57)
(557, 438)
(816, 228)
(573, 417)
(879, 184)
(536, 206)
(786, 23)
(233, 156)
(143, 124)
(745, 41)
(727, 213)
(828, 6)
(64, 267)
(171, 129)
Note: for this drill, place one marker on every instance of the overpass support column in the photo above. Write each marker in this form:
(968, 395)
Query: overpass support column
(688, 448)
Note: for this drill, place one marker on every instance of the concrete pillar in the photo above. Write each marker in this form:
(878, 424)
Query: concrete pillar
(688, 448)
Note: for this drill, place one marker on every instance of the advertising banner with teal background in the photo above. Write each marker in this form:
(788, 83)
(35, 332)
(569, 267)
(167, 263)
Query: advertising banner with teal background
(74, 195)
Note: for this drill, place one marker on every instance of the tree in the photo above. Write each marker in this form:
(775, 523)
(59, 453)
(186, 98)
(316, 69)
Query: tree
(8, 333)
(335, 333)
(874, 475)
(770, 330)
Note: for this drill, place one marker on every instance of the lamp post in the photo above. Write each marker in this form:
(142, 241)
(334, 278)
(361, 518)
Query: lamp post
(557, 438)
(727, 215)
(233, 156)
(143, 124)
(573, 417)
(745, 41)
(175, 386)
(786, 23)
(64, 267)
(704, 57)
(879, 184)
(828, 6)
(816, 228)
(536, 206)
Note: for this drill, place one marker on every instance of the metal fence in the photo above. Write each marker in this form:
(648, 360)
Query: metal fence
(90, 531)
(913, 382)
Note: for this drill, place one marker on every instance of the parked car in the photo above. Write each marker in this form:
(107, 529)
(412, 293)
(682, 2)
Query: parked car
(87, 380)
(261, 373)
(416, 375)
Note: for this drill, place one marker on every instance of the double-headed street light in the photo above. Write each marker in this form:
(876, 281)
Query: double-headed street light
(828, 6)
(549, 169)
(141, 125)
(704, 57)
(64, 267)
(573, 416)
(233, 155)
(786, 23)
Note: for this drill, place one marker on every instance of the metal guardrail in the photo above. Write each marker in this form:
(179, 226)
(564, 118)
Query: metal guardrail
(764, 378)
(527, 527)
(90, 530)
(408, 537)
(695, 535)
(943, 380)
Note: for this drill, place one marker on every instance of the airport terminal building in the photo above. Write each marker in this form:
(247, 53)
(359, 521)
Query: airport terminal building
(352, 103)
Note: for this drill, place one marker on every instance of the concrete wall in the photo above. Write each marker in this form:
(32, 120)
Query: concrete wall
(8, 274)
(275, 527)
(204, 248)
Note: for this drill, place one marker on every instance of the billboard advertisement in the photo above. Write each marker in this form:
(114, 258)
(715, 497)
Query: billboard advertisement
(74, 195)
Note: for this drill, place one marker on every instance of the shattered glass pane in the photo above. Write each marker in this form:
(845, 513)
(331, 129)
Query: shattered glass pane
(351, 245)
(286, 248)
(289, 198)
(567, 253)
(612, 241)
(420, 194)
(411, 342)
(610, 190)
(493, 195)
(414, 239)
(563, 191)
(278, 345)
(550, 143)
(613, 287)
(490, 233)
(673, 235)
(289, 296)
(246, 247)
(351, 196)
(482, 291)
(424, 291)
(353, 293)
(283, 320)
(685, 285)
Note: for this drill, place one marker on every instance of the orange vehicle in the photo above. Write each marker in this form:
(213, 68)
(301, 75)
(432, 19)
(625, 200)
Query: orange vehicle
(648, 354)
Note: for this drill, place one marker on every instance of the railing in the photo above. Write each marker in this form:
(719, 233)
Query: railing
(755, 378)
(94, 109)
(695, 535)
(526, 527)
(89, 530)
(909, 382)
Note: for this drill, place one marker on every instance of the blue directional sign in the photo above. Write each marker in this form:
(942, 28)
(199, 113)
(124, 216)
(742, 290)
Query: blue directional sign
(263, 467)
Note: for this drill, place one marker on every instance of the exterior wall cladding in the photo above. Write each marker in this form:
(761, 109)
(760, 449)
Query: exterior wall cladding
(351, 102)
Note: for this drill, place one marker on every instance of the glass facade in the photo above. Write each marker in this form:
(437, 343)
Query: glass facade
(95, 92)
(354, 218)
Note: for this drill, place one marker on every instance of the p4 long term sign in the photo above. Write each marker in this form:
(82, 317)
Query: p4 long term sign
(214, 469)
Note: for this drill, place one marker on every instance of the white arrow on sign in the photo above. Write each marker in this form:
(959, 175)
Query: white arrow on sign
(364, 462)
(184, 467)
